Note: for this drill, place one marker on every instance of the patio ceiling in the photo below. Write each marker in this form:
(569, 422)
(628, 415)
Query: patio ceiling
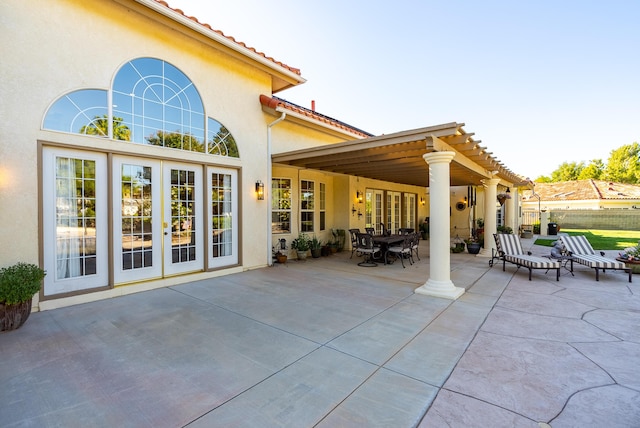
(398, 158)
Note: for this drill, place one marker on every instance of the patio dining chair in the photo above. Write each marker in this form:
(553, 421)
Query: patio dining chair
(370, 230)
(510, 250)
(401, 251)
(353, 234)
(367, 249)
(385, 231)
(405, 231)
(581, 251)
(415, 244)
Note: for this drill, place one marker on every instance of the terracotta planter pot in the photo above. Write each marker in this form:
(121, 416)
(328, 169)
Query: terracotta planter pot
(282, 258)
(13, 316)
(635, 266)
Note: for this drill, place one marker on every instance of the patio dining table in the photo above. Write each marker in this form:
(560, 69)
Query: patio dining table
(385, 241)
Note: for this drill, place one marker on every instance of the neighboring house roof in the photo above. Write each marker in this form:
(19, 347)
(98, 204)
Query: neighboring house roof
(290, 76)
(582, 190)
(275, 102)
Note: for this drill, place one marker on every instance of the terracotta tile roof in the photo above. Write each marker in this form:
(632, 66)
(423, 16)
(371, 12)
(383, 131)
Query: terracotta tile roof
(273, 102)
(582, 190)
(194, 19)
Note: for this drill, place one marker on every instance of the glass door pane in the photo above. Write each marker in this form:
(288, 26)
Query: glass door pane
(409, 216)
(74, 220)
(393, 211)
(222, 210)
(183, 249)
(137, 232)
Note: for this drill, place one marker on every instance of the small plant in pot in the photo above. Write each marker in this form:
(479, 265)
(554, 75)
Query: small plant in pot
(280, 251)
(316, 247)
(473, 245)
(301, 245)
(424, 230)
(18, 284)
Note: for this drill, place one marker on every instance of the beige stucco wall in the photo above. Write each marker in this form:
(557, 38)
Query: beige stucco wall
(60, 46)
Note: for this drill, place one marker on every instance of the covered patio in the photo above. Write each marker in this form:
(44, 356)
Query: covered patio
(326, 343)
(436, 157)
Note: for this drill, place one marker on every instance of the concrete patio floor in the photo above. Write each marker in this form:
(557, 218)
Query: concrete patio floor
(327, 343)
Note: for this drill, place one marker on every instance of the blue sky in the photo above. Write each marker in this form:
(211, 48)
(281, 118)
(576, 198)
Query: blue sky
(538, 82)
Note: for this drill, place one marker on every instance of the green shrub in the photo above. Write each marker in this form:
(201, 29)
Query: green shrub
(18, 283)
(301, 243)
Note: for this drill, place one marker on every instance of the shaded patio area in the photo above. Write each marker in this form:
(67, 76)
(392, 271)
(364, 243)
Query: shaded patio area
(325, 342)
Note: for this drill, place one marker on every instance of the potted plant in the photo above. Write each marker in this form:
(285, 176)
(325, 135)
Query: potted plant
(458, 245)
(301, 245)
(325, 250)
(279, 251)
(424, 230)
(502, 197)
(631, 257)
(504, 229)
(315, 246)
(18, 284)
(473, 245)
(480, 229)
(338, 239)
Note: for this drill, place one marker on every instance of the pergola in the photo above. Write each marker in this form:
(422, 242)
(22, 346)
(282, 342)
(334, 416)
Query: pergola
(437, 157)
(398, 157)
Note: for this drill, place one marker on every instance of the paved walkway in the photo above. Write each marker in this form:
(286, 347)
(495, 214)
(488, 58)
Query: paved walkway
(327, 343)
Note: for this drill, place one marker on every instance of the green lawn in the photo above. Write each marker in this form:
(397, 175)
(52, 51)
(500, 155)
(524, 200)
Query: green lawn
(600, 239)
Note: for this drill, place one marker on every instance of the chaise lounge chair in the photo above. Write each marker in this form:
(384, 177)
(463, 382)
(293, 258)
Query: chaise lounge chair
(583, 253)
(510, 250)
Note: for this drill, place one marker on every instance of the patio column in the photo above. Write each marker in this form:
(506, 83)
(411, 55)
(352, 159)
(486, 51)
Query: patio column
(439, 283)
(490, 212)
(510, 209)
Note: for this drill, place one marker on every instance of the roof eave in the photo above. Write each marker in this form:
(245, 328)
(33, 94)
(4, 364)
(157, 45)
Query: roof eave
(282, 77)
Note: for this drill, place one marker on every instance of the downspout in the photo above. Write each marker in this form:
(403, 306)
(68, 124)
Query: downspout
(268, 187)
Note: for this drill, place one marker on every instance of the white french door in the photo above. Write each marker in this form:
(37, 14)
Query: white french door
(409, 210)
(374, 209)
(158, 222)
(222, 206)
(182, 221)
(393, 211)
(75, 220)
(137, 219)
(158, 219)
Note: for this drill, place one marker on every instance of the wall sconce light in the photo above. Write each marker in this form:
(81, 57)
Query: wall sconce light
(422, 201)
(508, 190)
(353, 210)
(359, 197)
(260, 190)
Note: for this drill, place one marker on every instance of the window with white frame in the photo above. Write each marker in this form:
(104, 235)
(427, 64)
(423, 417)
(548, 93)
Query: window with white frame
(153, 102)
(307, 205)
(280, 205)
(323, 205)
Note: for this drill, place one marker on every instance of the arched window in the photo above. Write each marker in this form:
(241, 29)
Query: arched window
(153, 102)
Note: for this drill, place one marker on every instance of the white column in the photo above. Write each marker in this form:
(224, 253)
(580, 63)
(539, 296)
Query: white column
(510, 210)
(439, 283)
(490, 212)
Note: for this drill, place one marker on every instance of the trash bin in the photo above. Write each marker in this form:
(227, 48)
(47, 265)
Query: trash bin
(552, 229)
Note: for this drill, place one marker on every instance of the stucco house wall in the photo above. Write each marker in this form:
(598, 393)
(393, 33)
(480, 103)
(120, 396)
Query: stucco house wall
(63, 46)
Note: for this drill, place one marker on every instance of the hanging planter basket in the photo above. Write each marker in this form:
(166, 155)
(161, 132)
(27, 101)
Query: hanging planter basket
(502, 197)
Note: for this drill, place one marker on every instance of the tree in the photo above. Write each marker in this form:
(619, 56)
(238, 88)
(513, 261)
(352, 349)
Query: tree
(594, 170)
(623, 165)
(176, 140)
(100, 126)
(567, 171)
